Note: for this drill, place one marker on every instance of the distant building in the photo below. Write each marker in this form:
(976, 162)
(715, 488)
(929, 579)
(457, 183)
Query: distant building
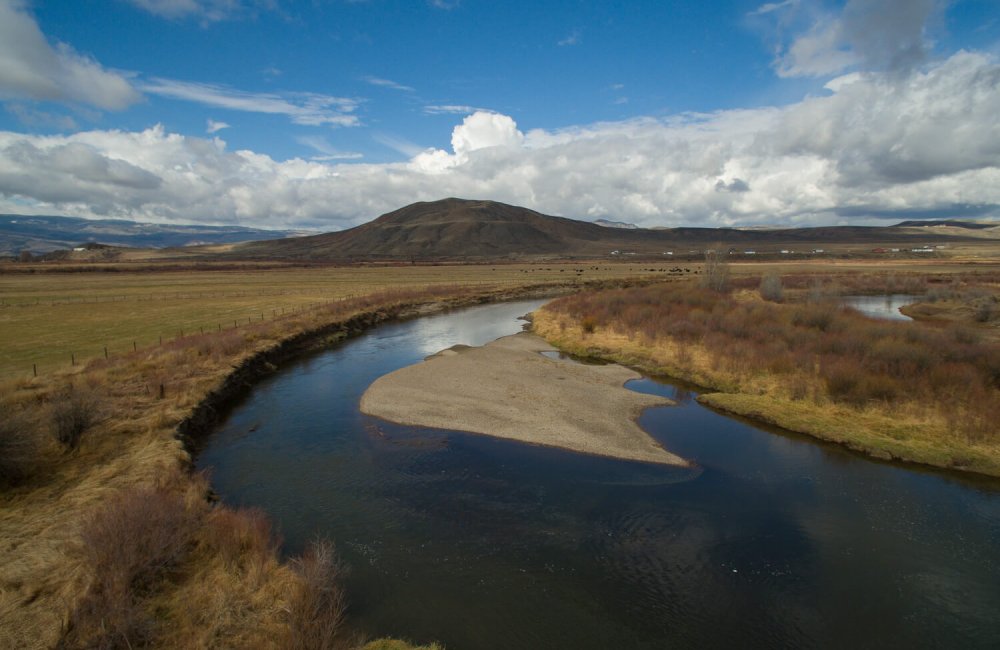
(880, 250)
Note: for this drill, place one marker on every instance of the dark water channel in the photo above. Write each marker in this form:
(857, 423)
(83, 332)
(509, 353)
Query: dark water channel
(773, 540)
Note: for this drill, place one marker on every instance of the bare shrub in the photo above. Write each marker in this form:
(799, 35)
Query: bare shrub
(243, 538)
(73, 411)
(21, 448)
(316, 611)
(129, 545)
(770, 288)
(588, 324)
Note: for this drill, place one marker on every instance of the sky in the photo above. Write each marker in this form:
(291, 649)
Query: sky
(324, 114)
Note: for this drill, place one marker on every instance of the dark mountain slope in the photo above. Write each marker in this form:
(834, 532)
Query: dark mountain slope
(463, 229)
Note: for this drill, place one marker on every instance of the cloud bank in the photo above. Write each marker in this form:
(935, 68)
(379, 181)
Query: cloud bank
(875, 145)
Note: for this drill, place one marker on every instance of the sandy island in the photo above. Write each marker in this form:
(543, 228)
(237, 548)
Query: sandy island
(508, 390)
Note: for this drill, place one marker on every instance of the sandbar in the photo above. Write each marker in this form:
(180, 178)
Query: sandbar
(509, 390)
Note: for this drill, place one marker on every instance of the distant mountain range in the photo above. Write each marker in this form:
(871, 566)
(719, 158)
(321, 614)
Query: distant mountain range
(42, 234)
(457, 229)
(461, 229)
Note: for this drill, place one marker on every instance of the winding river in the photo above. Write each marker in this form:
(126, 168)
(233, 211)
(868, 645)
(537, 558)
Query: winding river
(771, 540)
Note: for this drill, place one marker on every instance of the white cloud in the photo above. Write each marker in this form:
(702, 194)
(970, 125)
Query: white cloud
(483, 129)
(877, 145)
(208, 11)
(883, 35)
(451, 109)
(212, 126)
(388, 83)
(771, 7)
(31, 68)
(326, 150)
(572, 39)
(310, 109)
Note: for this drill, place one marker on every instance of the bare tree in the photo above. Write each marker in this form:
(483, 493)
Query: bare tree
(715, 274)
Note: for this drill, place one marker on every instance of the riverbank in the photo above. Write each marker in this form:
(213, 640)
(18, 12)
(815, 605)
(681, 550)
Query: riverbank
(507, 389)
(779, 364)
(215, 578)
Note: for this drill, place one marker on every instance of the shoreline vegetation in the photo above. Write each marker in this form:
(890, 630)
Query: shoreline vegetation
(110, 540)
(508, 389)
(927, 393)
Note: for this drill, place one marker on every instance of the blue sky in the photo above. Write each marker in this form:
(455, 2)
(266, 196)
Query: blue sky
(324, 114)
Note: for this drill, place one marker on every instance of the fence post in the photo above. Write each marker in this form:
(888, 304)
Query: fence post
(135, 347)
(34, 369)
(105, 352)
(72, 359)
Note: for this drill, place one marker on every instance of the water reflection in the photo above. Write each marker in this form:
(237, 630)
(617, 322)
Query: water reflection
(884, 307)
(770, 540)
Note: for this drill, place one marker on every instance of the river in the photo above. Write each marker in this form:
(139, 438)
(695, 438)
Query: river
(772, 539)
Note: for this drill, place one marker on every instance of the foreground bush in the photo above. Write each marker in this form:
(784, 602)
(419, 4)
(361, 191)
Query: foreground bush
(22, 448)
(130, 545)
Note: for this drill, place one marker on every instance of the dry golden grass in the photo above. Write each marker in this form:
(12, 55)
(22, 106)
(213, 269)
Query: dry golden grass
(221, 584)
(47, 318)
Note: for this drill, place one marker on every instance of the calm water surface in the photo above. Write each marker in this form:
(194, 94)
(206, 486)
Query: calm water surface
(772, 540)
(885, 307)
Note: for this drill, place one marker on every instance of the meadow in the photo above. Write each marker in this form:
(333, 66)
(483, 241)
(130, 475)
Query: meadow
(51, 319)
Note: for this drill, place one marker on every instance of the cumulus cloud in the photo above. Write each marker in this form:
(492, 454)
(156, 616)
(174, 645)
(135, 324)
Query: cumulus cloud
(32, 68)
(875, 146)
(883, 35)
(311, 109)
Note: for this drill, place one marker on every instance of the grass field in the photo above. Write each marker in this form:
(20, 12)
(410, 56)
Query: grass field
(48, 319)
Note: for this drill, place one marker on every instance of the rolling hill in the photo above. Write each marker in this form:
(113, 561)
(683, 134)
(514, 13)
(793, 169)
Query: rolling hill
(460, 229)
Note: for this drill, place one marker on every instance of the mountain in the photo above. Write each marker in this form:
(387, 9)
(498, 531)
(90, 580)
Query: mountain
(446, 229)
(461, 229)
(42, 234)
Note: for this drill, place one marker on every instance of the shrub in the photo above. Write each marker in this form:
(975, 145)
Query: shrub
(21, 448)
(129, 545)
(73, 412)
(770, 288)
(588, 324)
(316, 611)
